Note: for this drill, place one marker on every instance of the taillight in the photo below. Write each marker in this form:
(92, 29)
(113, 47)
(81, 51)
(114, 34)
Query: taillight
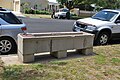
(24, 28)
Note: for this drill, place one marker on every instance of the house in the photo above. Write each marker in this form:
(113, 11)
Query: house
(39, 5)
(34, 4)
(13, 5)
(18, 5)
(53, 5)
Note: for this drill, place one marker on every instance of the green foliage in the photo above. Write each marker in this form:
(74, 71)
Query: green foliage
(68, 4)
(25, 6)
(112, 4)
(62, 1)
(104, 65)
(37, 66)
(75, 17)
(115, 60)
(100, 59)
(12, 72)
(42, 12)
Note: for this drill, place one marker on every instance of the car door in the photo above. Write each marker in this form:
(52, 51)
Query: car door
(116, 28)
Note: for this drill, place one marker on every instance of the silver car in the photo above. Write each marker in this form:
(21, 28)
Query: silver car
(104, 24)
(10, 26)
(61, 13)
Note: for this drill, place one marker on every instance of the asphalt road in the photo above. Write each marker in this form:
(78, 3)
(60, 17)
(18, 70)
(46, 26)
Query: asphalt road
(48, 25)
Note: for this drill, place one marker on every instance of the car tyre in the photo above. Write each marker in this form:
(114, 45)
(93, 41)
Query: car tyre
(59, 17)
(7, 45)
(103, 38)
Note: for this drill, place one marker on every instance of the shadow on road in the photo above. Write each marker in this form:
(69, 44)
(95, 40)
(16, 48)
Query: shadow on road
(112, 42)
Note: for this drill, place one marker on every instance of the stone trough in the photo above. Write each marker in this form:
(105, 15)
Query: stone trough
(57, 43)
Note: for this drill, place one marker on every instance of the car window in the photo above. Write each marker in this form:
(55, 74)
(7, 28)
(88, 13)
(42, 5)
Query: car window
(63, 10)
(10, 18)
(104, 15)
(118, 20)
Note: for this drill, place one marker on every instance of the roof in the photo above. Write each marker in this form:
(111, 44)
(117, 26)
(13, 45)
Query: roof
(52, 3)
(5, 11)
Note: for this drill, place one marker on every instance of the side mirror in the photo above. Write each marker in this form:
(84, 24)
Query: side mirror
(117, 21)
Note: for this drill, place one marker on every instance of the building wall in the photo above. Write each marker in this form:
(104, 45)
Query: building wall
(52, 5)
(16, 4)
(6, 4)
(10, 4)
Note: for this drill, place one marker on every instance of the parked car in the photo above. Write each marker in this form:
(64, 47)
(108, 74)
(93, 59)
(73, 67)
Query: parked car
(10, 26)
(104, 24)
(1, 9)
(61, 13)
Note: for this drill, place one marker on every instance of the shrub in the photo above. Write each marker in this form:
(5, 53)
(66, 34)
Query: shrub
(27, 11)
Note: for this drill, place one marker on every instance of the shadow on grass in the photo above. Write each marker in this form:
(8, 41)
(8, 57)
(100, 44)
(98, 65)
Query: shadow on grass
(45, 58)
(112, 42)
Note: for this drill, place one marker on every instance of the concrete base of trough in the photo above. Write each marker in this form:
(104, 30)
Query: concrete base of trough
(25, 58)
(85, 51)
(59, 54)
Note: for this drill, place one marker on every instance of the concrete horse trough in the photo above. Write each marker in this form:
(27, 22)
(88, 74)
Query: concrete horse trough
(57, 43)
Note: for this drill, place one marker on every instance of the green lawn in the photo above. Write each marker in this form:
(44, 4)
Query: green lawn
(105, 65)
(38, 16)
(49, 16)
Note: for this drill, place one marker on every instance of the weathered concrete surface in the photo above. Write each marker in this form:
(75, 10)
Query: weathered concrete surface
(57, 43)
(59, 54)
(10, 59)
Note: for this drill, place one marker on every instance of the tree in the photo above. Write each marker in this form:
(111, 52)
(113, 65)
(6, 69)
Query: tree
(67, 3)
(83, 3)
(62, 1)
(112, 4)
(25, 6)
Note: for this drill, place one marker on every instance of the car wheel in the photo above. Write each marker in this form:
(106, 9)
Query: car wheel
(59, 17)
(103, 38)
(7, 45)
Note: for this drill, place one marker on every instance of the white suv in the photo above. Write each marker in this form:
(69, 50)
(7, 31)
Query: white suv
(104, 24)
(61, 13)
(10, 26)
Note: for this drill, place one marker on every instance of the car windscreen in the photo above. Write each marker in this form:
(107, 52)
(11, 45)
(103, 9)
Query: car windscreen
(104, 15)
(64, 10)
(10, 18)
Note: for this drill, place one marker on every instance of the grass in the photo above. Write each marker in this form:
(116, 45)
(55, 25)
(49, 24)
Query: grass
(38, 16)
(105, 65)
(49, 16)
